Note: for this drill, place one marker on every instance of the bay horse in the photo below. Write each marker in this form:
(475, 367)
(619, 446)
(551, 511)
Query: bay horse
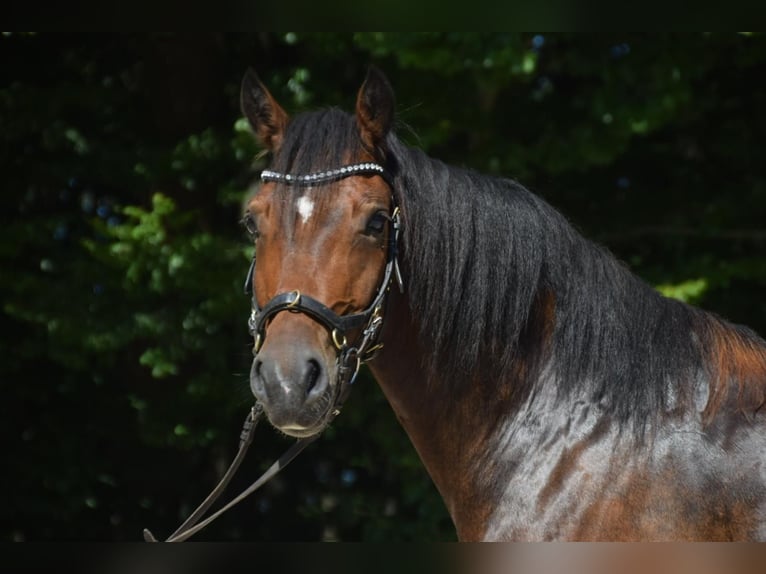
(550, 393)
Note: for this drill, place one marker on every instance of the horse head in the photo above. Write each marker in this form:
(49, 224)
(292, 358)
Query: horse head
(324, 224)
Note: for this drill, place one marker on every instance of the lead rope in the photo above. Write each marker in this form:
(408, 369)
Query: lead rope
(190, 526)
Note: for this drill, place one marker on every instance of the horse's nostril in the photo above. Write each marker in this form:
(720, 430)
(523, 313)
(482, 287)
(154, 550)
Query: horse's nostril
(257, 383)
(312, 375)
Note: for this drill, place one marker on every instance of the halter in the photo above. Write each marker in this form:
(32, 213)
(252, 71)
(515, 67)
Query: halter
(350, 357)
(370, 319)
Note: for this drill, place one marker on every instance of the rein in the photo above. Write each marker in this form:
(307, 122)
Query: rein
(350, 357)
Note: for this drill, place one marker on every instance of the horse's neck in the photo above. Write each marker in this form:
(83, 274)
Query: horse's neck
(448, 433)
(482, 451)
(459, 439)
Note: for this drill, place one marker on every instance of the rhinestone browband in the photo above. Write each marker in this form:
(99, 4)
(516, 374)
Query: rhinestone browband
(323, 176)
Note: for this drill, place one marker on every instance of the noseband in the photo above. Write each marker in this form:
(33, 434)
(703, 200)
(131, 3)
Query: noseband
(350, 357)
(370, 320)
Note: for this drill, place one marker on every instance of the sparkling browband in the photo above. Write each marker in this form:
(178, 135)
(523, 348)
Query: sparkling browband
(323, 176)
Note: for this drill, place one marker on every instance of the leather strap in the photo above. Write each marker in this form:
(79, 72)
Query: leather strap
(297, 302)
(192, 525)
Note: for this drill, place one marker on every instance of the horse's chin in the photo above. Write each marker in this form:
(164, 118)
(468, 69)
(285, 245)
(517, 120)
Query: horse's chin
(300, 432)
(304, 424)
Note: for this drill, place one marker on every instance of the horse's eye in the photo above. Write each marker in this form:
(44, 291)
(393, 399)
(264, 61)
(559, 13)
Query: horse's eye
(248, 223)
(377, 223)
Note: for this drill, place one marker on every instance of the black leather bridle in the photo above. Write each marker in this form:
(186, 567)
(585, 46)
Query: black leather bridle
(350, 356)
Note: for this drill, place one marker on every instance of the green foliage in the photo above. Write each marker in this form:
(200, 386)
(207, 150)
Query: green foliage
(688, 291)
(125, 163)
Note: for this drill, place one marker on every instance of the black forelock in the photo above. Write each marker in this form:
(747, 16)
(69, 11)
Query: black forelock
(314, 141)
(318, 140)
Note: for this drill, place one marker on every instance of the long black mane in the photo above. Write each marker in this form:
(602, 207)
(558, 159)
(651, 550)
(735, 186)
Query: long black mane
(491, 257)
(497, 278)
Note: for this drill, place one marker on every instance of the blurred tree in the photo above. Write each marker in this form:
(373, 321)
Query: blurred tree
(125, 162)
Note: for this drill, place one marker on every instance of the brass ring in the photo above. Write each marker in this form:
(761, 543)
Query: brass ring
(258, 343)
(295, 301)
(338, 344)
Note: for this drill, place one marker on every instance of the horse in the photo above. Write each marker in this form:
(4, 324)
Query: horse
(550, 393)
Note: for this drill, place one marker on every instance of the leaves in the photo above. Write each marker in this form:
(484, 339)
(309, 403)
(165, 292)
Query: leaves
(690, 291)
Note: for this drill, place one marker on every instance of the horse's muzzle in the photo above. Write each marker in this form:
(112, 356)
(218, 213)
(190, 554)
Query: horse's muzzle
(293, 388)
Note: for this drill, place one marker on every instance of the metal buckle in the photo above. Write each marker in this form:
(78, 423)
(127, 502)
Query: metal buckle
(296, 300)
(339, 344)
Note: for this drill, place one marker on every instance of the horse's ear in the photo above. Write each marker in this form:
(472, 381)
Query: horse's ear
(374, 109)
(266, 116)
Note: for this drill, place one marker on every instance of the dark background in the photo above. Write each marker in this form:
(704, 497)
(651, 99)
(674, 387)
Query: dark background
(124, 161)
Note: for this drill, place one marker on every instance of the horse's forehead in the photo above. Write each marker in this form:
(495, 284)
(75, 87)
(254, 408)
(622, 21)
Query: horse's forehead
(305, 203)
(312, 202)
